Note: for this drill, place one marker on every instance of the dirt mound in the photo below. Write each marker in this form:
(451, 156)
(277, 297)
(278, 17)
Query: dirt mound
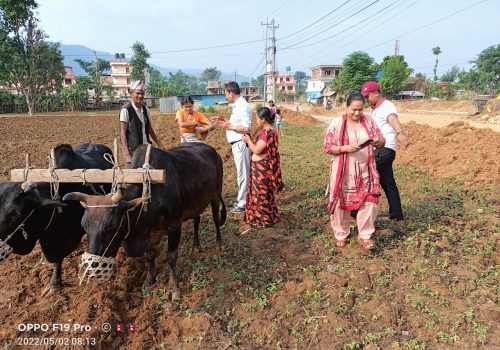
(458, 150)
(298, 117)
(429, 105)
(486, 118)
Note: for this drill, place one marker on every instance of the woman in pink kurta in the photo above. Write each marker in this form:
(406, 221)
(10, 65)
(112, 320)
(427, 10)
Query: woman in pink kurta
(354, 181)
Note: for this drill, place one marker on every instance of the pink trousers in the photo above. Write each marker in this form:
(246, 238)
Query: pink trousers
(365, 221)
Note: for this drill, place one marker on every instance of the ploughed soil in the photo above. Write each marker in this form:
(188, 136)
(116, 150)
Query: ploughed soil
(431, 283)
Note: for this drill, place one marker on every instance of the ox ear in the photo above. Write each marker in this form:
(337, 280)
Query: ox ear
(134, 203)
(50, 204)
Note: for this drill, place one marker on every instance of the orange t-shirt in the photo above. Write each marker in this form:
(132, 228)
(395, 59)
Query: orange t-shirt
(196, 117)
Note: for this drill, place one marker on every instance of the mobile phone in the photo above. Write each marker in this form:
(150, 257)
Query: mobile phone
(366, 143)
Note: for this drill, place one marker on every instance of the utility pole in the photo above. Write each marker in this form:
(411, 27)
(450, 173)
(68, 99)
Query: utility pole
(235, 75)
(270, 66)
(396, 48)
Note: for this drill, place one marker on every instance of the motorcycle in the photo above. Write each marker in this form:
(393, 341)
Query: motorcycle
(329, 105)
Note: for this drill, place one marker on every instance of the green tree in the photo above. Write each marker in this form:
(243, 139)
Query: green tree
(452, 75)
(259, 81)
(157, 86)
(471, 80)
(94, 71)
(487, 65)
(27, 61)
(211, 73)
(74, 97)
(138, 61)
(395, 71)
(358, 68)
(244, 83)
(300, 78)
(436, 51)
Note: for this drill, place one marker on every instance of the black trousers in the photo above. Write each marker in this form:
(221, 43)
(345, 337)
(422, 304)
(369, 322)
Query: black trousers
(384, 158)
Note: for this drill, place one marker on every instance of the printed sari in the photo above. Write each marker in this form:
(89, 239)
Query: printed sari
(265, 180)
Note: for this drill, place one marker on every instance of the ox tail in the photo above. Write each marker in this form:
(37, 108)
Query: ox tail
(223, 213)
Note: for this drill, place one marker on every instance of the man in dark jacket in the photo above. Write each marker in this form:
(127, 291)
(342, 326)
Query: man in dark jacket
(135, 122)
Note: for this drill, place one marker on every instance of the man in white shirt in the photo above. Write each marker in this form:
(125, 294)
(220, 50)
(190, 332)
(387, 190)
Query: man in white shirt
(386, 116)
(239, 124)
(135, 122)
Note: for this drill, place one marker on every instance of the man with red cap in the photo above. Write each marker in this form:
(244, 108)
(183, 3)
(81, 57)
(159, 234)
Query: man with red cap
(135, 122)
(386, 116)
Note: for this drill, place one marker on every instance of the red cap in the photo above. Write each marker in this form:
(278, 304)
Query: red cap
(369, 87)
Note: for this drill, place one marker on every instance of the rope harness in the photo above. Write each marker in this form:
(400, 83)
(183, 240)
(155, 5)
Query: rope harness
(6, 249)
(116, 169)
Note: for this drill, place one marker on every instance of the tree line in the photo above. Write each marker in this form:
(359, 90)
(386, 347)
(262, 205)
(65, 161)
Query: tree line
(394, 75)
(34, 66)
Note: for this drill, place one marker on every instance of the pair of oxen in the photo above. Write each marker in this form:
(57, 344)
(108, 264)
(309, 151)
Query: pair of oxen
(28, 214)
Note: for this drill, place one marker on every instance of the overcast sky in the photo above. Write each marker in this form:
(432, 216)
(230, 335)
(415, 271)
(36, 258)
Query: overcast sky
(304, 38)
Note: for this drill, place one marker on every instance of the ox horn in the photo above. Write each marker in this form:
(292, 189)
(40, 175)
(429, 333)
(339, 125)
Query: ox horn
(28, 186)
(118, 195)
(75, 196)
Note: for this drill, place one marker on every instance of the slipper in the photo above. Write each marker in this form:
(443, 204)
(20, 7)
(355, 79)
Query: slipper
(367, 243)
(341, 243)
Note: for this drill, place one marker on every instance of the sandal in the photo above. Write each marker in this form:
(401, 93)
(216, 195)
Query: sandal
(367, 243)
(341, 243)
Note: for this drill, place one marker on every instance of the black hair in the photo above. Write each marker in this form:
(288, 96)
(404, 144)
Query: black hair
(186, 99)
(233, 87)
(356, 96)
(271, 101)
(265, 113)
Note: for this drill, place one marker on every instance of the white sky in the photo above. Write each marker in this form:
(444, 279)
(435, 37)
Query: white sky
(166, 25)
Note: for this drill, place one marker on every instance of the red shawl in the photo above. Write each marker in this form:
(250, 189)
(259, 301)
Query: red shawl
(339, 138)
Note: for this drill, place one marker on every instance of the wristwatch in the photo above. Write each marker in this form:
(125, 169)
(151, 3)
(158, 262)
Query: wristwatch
(401, 132)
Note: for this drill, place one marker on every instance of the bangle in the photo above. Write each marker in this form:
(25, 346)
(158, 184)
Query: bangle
(401, 132)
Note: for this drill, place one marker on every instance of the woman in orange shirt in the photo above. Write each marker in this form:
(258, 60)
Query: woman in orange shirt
(191, 122)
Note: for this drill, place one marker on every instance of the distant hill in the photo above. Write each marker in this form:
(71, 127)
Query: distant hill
(72, 52)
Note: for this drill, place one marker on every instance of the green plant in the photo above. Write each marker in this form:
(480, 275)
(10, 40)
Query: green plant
(202, 109)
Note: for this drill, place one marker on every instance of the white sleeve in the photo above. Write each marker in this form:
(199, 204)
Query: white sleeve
(389, 109)
(246, 117)
(124, 115)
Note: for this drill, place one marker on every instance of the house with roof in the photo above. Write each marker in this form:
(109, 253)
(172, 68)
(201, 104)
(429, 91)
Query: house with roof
(319, 84)
(120, 74)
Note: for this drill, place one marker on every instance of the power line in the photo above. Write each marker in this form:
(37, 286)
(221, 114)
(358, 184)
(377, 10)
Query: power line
(310, 25)
(346, 12)
(299, 42)
(369, 22)
(428, 24)
(363, 21)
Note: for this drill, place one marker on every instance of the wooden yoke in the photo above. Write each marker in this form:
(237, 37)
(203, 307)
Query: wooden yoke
(146, 175)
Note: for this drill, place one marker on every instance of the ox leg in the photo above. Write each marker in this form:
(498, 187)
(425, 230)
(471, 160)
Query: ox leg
(55, 281)
(150, 263)
(216, 218)
(174, 237)
(195, 249)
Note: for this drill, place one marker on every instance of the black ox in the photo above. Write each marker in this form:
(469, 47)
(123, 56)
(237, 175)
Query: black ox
(28, 214)
(194, 180)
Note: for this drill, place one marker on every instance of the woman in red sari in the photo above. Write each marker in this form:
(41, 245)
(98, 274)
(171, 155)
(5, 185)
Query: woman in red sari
(265, 173)
(354, 181)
